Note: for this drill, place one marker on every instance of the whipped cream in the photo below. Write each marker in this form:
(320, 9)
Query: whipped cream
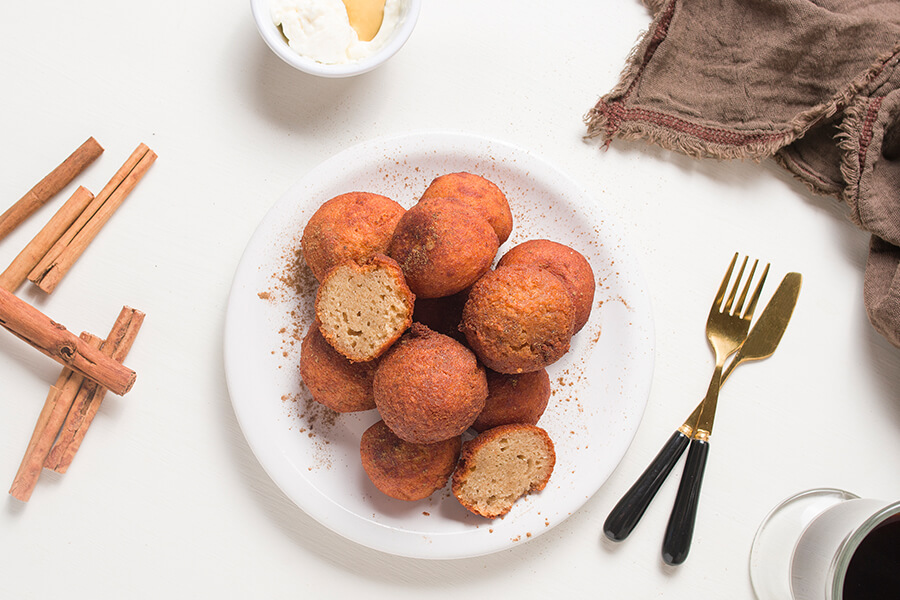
(320, 29)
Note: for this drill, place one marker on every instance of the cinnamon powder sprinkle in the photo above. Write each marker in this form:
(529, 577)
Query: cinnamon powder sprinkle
(319, 420)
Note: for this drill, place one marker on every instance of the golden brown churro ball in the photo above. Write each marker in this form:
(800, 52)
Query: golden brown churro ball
(404, 470)
(520, 398)
(519, 318)
(479, 193)
(566, 263)
(429, 387)
(364, 308)
(333, 380)
(443, 247)
(352, 226)
(500, 466)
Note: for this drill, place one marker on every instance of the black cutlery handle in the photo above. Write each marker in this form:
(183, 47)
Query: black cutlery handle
(626, 514)
(680, 529)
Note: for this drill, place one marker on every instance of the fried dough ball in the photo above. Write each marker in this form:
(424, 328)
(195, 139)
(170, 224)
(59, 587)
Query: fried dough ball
(404, 470)
(429, 387)
(479, 193)
(501, 465)
(566, 263)
(519, 318)
(520, 398)
(352, 226)
(443, 247)
(333, 380)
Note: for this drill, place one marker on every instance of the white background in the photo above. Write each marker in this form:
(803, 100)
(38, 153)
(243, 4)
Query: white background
(165, 498)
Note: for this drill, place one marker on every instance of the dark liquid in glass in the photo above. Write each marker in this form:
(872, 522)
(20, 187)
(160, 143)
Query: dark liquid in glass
(874, 569)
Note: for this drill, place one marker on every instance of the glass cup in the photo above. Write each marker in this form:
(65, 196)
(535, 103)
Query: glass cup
(827, 544)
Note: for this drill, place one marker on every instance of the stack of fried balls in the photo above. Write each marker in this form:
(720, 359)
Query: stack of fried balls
(412, 320)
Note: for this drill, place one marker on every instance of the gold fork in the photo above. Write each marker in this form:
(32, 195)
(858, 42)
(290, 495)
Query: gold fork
(726, 329)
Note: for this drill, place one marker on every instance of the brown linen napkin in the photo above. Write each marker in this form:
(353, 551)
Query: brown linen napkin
(815, 84)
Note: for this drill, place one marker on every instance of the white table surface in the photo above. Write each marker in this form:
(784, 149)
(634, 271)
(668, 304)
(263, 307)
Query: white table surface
(165, 499)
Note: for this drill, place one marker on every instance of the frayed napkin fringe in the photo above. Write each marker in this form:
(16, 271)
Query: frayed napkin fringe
(611, 118)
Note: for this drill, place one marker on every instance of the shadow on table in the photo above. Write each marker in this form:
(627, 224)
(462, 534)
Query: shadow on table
(885, 362)
(883, 358)
(742, 173)
(298, 102)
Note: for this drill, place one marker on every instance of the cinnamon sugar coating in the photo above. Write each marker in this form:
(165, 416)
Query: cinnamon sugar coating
(429, 387)
(351, 226)
(519, 318)
(405, 470)
(518, 398)
(566, 263)
(479, 193)
(443, 247)
(333, 380)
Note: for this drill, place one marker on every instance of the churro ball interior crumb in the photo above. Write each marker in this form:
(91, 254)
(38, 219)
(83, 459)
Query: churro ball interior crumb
(502, 465)
(363, 310)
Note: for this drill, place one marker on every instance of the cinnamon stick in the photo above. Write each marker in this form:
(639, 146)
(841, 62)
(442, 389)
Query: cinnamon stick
(54, 340)
(63, 254)
(90, 211)
(51, 418)
(117, 345)
(47, 187)
(37, 248)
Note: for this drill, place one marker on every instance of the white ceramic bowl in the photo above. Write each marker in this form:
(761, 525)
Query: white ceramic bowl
(279, 45)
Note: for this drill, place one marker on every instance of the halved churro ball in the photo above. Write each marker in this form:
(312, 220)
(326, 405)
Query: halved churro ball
(334, 381)
(405, 470)
(501, 465)
(352, 226)
(519, 318)
(481, 194)
(566, 263)
(519, 398)
(363, 308)
(443, 247)
(429, 387)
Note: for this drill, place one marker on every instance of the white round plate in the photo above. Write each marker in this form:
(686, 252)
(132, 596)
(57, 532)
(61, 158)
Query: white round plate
(600, 387)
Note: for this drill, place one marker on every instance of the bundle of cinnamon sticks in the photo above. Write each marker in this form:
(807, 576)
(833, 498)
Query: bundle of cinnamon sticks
(70, 408)
(52, 252)
(91, 366)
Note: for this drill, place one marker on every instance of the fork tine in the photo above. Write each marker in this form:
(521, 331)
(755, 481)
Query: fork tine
(740, 304)
(755, 298)
(734, 288)
(720, 295)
